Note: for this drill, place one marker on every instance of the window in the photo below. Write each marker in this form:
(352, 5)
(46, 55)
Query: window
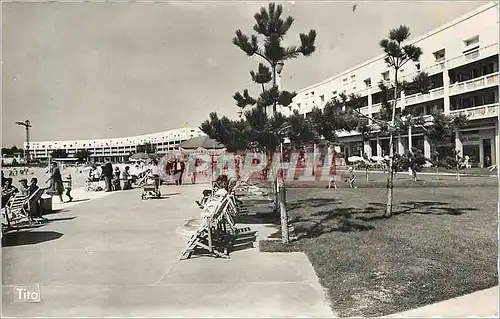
(385, 76)
(417, 65)
(368, 83)
(472, 41)
(471, 44)
(440, 55)
(344, 81)
(322, 97)
(334, 93)
(312, 93)
(353, 78)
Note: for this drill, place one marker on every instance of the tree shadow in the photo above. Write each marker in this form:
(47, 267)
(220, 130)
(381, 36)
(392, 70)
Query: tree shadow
(29, 238)
(417, 207)
(336, 220)
(313, 202)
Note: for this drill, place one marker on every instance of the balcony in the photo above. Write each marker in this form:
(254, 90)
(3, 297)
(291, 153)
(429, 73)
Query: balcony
(481, 53)
(420, 98)
(474, 84)
(479, 112)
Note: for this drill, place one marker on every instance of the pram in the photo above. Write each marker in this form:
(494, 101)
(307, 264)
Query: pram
(151, 188)
(92, 185)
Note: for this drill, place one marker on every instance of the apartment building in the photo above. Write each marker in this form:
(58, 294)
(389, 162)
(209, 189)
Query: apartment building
(114, 149)
(461, 59)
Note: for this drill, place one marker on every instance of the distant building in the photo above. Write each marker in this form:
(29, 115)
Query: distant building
(461, 59)
(114, 149)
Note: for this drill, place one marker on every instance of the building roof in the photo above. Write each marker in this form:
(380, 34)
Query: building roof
(201, 141)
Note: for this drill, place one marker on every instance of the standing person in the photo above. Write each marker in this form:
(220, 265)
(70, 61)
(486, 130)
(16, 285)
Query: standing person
(56, 183)
(177, 171)
(107, 172)
(192, 169)
(116, 179)
(69, 186)
(155, 171)
(351, 177)
(125, 178)
(182, 167)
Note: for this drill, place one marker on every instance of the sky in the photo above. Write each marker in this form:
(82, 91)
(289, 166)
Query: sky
(81, 70)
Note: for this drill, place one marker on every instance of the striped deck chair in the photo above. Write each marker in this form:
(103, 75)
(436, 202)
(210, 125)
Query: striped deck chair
(200, 233)
(17, 209)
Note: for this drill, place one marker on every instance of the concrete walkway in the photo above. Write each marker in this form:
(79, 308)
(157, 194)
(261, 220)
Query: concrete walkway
(119, 256)
(482, 303)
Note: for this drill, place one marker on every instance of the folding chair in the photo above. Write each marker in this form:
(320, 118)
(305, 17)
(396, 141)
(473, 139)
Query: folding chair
(15, 210)
(200, 233)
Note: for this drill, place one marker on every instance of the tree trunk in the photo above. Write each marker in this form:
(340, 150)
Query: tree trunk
(285, 234)
(274, 84)
(390, 176)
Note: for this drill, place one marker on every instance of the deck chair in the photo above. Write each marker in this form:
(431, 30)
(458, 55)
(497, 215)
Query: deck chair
(17, 209)
(200, 233)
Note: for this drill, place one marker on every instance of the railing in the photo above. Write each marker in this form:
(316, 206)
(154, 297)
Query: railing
(479, 112)
(471, 56)
(419, 97)
(474, 84)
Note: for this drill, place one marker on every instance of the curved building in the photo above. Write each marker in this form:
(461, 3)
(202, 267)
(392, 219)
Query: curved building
(461, 59)
(114, 149)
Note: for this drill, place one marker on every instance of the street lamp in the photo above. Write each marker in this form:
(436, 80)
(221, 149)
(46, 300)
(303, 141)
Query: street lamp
(279, 66)
(27, 125)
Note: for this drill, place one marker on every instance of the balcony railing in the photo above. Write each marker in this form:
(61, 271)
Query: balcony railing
(481, 53)
(474, 84)
(479, 112)
(420, 98)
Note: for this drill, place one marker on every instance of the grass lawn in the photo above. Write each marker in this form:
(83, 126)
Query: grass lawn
(440, 244)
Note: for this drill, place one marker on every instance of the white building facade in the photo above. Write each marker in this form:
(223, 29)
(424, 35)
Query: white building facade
(461, 59)
(114, 149)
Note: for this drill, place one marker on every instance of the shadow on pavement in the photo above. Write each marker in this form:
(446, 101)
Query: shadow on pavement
(28, 238)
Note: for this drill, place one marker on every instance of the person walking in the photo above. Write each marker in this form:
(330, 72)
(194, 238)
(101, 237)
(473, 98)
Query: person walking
(155, 171)
(56, 183)
(69, 186)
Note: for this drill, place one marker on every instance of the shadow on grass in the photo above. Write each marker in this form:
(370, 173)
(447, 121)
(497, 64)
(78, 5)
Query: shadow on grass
(349, 219)
(29, 238)
(418, 207)
(312, 202)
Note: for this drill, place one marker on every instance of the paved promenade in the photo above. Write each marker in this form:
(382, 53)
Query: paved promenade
(119, 256)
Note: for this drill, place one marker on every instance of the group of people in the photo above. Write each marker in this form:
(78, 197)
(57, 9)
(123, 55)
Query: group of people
(176, 169)
(114, 178)
(15, 172)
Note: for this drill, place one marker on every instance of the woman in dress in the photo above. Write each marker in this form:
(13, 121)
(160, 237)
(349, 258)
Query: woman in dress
(56, 183)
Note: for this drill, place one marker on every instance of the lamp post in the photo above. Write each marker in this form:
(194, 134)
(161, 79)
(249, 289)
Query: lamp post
(27, 125)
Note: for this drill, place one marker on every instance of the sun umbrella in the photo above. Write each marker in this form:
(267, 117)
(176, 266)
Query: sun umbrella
(377, 158)
(354, 159)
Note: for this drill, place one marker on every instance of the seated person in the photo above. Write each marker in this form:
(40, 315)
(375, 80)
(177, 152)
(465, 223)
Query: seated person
(24, 188)
(7, 191)
(33, 186)
(221, 182)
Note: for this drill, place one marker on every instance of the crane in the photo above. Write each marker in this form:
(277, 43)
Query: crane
(27, 125)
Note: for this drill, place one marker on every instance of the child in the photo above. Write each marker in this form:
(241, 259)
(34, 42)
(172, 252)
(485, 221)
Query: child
(68, 187)
(351, 177)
